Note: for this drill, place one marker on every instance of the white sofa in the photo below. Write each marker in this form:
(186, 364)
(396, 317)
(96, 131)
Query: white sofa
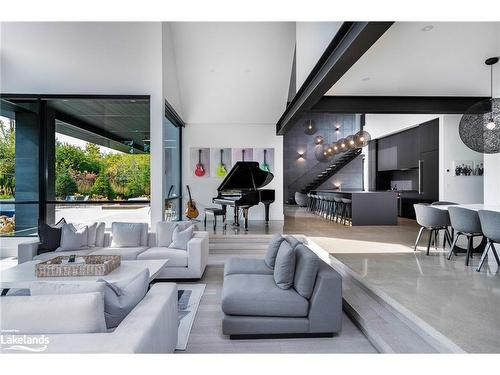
(151, 327)
(182, 264)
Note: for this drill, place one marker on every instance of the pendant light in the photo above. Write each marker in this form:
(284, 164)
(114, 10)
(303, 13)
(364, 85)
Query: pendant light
(309, 127)
(479, 127)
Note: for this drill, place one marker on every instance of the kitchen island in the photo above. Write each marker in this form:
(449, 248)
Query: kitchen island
(368, 207)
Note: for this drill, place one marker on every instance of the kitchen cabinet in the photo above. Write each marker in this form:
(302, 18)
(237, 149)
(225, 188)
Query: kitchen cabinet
(429, 175)
(387, 154)
(428, 136)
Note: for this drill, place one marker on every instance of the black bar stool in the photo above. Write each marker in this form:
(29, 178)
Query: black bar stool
(346, 210)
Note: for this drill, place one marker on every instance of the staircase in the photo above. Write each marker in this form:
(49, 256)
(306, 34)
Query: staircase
(339, 162)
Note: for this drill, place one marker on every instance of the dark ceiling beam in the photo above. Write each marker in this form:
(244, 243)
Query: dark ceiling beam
(396, 104)
(350, 43)
(84, 125)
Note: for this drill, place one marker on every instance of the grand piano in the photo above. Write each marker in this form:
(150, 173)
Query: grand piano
(240, 189)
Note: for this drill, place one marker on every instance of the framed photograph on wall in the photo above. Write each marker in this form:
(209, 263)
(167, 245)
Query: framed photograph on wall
(478, 168)
(463, 167)
(221, 159)
(200, 161)
(265, 158)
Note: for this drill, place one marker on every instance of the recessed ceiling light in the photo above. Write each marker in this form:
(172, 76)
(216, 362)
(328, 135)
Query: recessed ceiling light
(427, 28)
(365, 79)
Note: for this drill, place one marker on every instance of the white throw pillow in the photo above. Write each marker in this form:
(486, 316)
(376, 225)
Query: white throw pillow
(91, 234)
(129, 234)
(180, 238)
(164, 232)
(99, 235)
(53, 314)
(122, 296)
(72, 238)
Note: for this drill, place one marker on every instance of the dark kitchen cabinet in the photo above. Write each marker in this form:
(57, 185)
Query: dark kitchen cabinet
(408, 150)
(428, 136)
(429, 175)
(387, 154)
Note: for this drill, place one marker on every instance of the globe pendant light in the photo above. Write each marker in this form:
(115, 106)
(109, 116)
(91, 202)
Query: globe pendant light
(362, 138)
(309, 127)
(318, 140)
(479, 127)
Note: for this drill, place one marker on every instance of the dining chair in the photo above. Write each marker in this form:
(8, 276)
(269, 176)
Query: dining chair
(490, 224)
(464, 222)
(434, 220)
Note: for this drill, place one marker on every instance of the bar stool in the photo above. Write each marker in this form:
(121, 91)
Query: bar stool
(339, 206)
(490, 225)
(216, 211)
(330, 207)
(346, 210)
(432, 219)
(466, 223)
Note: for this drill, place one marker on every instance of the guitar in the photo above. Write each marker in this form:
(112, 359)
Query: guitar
(199, 170)
(265, 166)
(191, 210)
(221, 168)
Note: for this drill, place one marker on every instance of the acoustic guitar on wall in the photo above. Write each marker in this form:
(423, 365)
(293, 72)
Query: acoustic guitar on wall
(264, 166)
(199, 169)
(221, 168)
(191, 210)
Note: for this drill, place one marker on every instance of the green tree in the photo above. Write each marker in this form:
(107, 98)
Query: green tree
(7, 159)
(65, 184)
(102, 187)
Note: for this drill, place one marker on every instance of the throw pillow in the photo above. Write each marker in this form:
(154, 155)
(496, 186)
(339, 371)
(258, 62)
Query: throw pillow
(121, 297)
(180, 238)
(164, 233)
(129, 234)
(50, 236)
(306, 270)
(284, 267)
(272, 250)
(91, 234)
(53, 314)
(73, 239)
(99, 236)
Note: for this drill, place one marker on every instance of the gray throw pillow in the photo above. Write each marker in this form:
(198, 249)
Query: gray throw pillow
(272, 250)
(121, 297)
(284, 267)
(306, 270)
(180, 238)
(164, 232)
(129, 234)
(73, 239)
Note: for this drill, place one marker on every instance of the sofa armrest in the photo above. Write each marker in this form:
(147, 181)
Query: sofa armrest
(197, 249)
(325, 310)
(151, 327)
(26, 251)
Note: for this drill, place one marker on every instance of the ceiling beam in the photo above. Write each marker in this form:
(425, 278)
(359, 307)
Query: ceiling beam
(396, 104)
(350, 43)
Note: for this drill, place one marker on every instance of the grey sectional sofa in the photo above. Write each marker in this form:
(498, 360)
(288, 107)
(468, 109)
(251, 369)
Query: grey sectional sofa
(254, 306)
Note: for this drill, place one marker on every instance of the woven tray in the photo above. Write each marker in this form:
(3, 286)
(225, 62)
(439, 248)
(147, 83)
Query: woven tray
(95, 265)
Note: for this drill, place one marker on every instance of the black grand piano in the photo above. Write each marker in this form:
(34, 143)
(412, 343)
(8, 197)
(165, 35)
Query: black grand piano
(241, 189)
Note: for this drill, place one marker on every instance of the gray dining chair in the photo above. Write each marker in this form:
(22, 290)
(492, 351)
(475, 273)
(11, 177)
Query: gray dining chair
(443, 203)
(434, 220)
(490, 224)
(466, 223)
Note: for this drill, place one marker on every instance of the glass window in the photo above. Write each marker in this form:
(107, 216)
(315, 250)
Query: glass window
(172, 185)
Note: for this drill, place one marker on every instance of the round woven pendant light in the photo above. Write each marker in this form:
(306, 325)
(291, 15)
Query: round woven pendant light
(310, 127)
(479, 127)
(318, 140)
(351, 144)
(321, 153)
(342, 144)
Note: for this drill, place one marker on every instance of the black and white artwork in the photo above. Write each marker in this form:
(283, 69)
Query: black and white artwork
(467, 168)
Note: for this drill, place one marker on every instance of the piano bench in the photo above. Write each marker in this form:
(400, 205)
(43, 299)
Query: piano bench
(215, 211)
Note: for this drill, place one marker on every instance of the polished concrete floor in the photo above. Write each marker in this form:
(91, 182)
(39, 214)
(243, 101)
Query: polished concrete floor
(459, 302)
(206, 335)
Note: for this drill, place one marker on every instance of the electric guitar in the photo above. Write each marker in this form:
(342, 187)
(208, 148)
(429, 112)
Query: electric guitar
(265, 166)
(191, 210)
(199, 169)
(221, 168)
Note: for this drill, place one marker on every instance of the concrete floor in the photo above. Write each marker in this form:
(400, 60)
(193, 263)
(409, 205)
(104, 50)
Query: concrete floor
(454, 299)
(206, 335)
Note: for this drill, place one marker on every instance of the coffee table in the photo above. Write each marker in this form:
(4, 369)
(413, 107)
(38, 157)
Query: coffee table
(23, 275)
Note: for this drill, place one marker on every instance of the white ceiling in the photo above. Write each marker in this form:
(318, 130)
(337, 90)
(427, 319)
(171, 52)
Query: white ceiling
(233, 72)
(447, 60)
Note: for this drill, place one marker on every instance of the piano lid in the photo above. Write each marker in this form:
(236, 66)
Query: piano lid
(245, 175)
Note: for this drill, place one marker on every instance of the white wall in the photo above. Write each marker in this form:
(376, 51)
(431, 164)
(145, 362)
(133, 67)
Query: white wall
(451, 188)
(231, 136)
(115, 58)
(312, 38)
